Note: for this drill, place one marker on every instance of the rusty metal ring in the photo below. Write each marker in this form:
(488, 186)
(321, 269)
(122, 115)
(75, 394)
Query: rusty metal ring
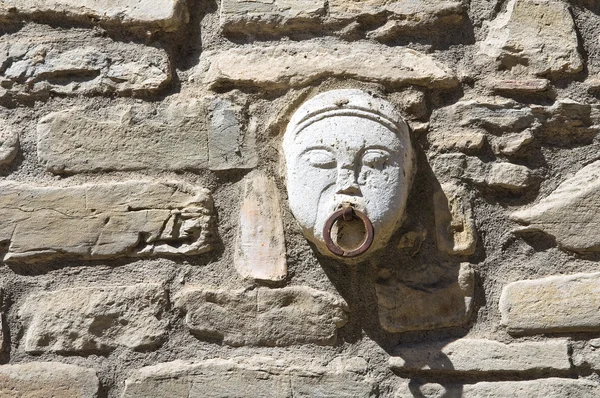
(348, 213)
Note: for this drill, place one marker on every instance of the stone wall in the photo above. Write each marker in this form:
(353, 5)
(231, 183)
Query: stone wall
(147, 245)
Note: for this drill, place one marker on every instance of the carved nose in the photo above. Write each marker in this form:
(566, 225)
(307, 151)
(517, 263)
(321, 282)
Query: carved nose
(346, 182)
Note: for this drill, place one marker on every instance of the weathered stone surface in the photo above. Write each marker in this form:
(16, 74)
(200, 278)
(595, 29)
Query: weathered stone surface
(512, 144)
(541, 388)
(537, 34)
(443, 304)
(463, 141)
(554, 304)
(163, 14)
(95, 319)
(587, 354)
(455, 228)
(521, 86)
(260, 244)
(104, 220)
(247, 378)
(243, 15)
(9, 143)
(570, 213)
(263, 317)
(185, 135)
(47, 379)
(300, 64)
(36, 62)
(568, 122)
(482, 356)
(500, 175)
(3, 328)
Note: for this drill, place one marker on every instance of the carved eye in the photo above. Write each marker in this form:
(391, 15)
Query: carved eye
(321, 158)
(375, 158)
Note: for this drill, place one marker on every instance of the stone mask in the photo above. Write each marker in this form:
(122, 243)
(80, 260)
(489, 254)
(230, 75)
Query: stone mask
(349, 163)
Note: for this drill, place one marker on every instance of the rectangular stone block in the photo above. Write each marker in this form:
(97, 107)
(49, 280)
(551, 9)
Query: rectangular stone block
(164, 14)
(263, 317)
(95, 319)
(483, 356)
(37, 62)
(104, 220)
(247, 378)
(299, 64)
(47, 379)
(556, 304)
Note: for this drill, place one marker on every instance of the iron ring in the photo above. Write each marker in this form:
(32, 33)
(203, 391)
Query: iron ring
(348, 213)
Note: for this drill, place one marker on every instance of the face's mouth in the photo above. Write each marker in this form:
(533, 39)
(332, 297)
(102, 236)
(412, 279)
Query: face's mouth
(348, 232)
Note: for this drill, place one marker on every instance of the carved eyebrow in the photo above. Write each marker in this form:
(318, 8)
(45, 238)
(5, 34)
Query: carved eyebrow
(317, 147)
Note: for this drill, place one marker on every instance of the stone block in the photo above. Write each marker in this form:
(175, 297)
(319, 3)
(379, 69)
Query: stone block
(447, 303)
(260, 243)
(39, 62)
(455, 228)
(165, 15)
(47, 379)
(95, 319)
(9, 143)
(587, 354)
(94, 221)
(300, 64)
(482, 356)
(500, 175)
(570, 213)
(556, 304)
(537, 35)
(263, 317)
(247, 378)
(183, 135)
(568, 122)
(540, 388)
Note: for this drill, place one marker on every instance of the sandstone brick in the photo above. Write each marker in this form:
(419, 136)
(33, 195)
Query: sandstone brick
(39, 62)
(521, 86)
(455, 228)
(300, 64)
(246, 378)
(184, 135)
(537, 34)
(500, 175)
(9, 143)
(263, 317)
(555, 304)
(95, 319)
(570, 213)
(462, 141)
(482, 356)
(512, 144)
(260, 243)
(404, 308)
(587, 354)
(568, 122)
(541, 388)
(104, 220)
(167, 15)
(47, 379)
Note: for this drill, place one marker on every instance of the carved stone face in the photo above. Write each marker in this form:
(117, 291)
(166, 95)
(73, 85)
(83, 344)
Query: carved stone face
(347, 147)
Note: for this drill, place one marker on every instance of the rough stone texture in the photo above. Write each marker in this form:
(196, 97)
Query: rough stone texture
(185, 135)
(570, 213)
(500, 175)
(523, 86)
(297, 65)
(444, 304)
(556, 304)
(482, 356)
(512, 144)
(9, 143)
(47, 379)
(588, 355)
(537, 35)
(263, 317)
(95, 319)
(104, 220)
(167, 15)
(541, 388)
(455, 228)
(462, 141)
(75, 62)
(247, 377)
(260, 244)
(568, 122)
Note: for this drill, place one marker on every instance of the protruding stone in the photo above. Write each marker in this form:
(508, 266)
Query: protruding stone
(511, 144)
(47, 379)
(587, 355)
(248, 378)
(263, 317)
(301, 64)
(447, 303)
(556, 304)
(95, 319)
(455, 228)
(570, 213)
(9, 143)
(260, 244)
(166, 15)
(463, 141)
(569, 122)
(482, 356)
(75, 62)
(522, 86)
(500, 175)
(104, 220)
